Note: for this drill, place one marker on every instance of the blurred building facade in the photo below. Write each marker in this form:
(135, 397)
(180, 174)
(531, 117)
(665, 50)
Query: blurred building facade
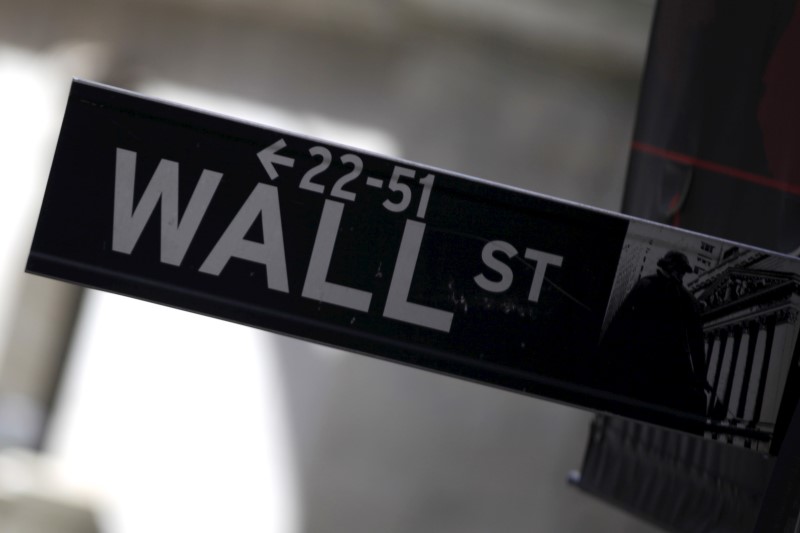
(539, 95)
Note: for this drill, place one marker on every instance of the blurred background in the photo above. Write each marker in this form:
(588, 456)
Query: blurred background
(201, 425)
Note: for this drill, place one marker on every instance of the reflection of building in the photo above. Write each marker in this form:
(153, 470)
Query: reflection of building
(708, 256)
(645, 244)
(750, 320)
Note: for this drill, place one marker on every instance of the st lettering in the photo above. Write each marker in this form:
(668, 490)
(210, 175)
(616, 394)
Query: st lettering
(495, 256)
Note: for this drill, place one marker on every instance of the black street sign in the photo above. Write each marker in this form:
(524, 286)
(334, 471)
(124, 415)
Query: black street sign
(419, 266)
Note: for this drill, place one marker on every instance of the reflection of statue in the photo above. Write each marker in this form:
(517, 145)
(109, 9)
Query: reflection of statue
(654, 345)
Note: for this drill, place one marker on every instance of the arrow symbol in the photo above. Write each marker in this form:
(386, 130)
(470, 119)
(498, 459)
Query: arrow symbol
(269, 157)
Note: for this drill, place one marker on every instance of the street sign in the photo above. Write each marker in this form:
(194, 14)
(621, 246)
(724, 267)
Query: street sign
(419, 265)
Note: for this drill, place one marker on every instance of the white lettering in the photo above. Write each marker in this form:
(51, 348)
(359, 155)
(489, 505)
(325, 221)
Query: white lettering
(176, 233)
(489, 259)
(543, 259)
(316, 286)
(263, 202)
(397, 304)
